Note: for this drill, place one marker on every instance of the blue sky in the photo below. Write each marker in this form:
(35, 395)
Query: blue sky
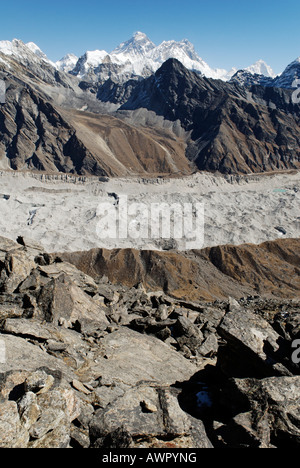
(225, 33)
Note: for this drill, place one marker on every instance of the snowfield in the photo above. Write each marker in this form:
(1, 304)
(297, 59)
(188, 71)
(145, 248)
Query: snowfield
(62, 212)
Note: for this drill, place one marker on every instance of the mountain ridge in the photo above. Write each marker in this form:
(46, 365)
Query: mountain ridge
(229, 130)
(212, 125)
(214, 273)
(136, 57)
(139, 58)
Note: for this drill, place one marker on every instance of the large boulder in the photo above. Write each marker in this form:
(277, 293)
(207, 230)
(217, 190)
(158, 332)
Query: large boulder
(270, 413)
(151, 417)
(15, 268)
(13, 434)
(64, 303)
(253, 346)
(36, 410)
(128, 357)
(19, 354)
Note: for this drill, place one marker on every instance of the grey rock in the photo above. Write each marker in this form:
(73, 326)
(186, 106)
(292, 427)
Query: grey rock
(168, 421)
(29, 410)
(210, 316)
(79, 438)
(131, 357)
(18, 265)
(209, 347)
(80, 387)
(50, 419)
(13, 434)
(80, 279)
(274, 404)
(11, 306)
(188, 337)
(106, 395)
(27, 328)
(56, 346)
(57, 438)
(62, 301)
(252, 345)
(12, 384)
(39, 382)
(23, 355)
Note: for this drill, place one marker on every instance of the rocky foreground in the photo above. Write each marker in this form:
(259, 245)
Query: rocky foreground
(86, 363)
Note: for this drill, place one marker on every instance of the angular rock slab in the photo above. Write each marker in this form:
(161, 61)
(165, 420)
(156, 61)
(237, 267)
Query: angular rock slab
(275, 408)
(128, 357)
(19, 354)
(251, 345)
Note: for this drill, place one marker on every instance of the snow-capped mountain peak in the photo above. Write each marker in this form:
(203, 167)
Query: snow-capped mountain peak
(135, 48)
(139, 56)
(14, 47)
(290, 74)
(95, 57)
(67, 63)
(36, 50)
(261, 68)
(25, 53)
(185, 52)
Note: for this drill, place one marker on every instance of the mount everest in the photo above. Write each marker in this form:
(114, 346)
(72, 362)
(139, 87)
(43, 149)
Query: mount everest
(140, 57)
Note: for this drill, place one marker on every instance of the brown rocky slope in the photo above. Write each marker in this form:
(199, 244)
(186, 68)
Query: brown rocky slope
(271, 268)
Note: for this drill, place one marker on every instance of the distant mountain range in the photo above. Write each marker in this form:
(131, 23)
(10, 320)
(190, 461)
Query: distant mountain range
(137, 57)
(99, 115)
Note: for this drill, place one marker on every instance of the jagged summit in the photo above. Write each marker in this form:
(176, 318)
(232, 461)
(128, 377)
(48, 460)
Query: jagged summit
(261, 68)
(67, 63)
(26, 53)
(136, 47)
(261, 74)
(290, 74)
(140, 57)
(171, 64)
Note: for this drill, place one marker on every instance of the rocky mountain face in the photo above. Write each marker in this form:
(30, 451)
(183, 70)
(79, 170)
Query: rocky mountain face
(173, 122)
(81, 366)
(38, 131)
(231, 130)
(286, 80)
